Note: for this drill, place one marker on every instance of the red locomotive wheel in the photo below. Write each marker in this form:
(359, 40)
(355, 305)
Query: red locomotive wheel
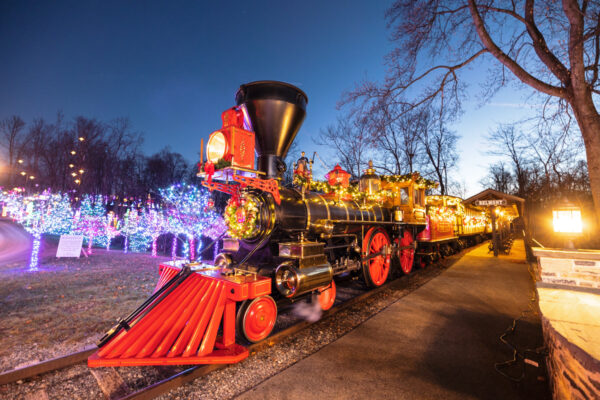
(407, 256)
(376, 269)
(256, 318)
(326, 296)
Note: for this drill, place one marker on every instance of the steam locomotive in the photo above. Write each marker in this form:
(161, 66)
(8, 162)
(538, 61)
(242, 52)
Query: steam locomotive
(284, 243)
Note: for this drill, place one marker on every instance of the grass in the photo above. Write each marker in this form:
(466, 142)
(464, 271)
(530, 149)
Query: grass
(69, 303)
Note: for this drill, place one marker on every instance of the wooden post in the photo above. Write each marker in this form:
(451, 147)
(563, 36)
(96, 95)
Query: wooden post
(494, 232)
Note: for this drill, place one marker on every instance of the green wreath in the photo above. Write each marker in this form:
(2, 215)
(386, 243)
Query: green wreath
(241, 218)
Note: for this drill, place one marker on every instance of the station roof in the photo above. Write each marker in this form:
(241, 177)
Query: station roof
(491, 197)
(491, 194)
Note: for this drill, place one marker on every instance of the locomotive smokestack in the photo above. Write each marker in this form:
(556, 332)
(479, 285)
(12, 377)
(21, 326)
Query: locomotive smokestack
(276, 111)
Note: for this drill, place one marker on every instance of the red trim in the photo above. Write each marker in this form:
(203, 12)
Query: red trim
(221, 187)
(267, 185)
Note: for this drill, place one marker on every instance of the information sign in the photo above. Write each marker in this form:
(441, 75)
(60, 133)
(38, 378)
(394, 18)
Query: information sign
(69, 246)
(499, 202)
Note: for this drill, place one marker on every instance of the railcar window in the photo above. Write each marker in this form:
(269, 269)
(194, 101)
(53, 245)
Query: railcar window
(417, 197)
(404, 196)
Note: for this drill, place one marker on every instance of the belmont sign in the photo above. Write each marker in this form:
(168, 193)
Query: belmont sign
(499, 202)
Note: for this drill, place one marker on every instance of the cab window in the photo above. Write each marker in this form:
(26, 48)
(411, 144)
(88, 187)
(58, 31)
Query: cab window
(404, 196)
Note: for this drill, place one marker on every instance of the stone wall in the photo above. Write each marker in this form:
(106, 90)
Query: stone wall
(573, 372)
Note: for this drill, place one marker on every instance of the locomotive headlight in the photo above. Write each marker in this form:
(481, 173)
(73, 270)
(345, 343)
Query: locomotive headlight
(216, 147)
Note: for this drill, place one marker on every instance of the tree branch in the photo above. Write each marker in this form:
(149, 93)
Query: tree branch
(541, 47)
(511, 64)
(575, 17)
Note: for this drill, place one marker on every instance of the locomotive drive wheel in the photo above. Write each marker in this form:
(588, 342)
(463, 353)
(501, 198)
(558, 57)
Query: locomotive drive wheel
(407, 256)
(326, 296)
(376, 269)
(256, 318)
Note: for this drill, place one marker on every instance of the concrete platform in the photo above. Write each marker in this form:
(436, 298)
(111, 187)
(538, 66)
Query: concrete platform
(439, 342)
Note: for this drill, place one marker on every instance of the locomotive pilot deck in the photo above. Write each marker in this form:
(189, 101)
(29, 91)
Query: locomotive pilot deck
(180, 322)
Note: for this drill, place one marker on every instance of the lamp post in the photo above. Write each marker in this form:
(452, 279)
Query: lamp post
(567, 222)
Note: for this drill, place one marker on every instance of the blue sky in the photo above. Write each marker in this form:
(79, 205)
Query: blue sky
(173, 67)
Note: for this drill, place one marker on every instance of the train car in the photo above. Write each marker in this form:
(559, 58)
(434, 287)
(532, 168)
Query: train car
(284, 243)
(451, 226)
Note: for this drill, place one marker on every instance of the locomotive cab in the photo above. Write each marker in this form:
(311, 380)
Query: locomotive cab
(407, 198)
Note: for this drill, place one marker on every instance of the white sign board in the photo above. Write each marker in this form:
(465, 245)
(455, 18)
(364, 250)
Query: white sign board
(69, 246)
(499, 202)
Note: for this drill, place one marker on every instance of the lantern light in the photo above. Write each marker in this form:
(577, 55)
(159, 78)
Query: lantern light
(567, 219)
(71, 165)
(216, 147)
(73, 152)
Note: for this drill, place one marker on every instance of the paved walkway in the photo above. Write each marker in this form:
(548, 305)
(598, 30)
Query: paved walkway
(439, 342)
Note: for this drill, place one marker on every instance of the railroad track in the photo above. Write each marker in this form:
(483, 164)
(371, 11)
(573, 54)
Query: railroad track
(47, 366)
(188, 375)
(79, 357)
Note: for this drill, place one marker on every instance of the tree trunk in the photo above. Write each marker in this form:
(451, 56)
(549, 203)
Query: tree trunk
(589, 124)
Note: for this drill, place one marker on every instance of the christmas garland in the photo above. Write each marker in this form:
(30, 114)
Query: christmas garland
(352, 192)
(427, 183)
(443, 212)
(241, 216)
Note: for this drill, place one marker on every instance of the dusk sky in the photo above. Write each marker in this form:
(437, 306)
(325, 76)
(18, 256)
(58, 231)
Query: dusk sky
(173, 67)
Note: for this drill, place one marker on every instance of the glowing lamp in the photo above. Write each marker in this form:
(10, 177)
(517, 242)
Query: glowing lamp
(73, 152)
(232, 142)
(567, 219)
(23, 173)
(216, 148)
(337, 176)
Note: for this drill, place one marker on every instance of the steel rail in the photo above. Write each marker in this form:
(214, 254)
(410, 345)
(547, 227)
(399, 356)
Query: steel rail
(46, 366)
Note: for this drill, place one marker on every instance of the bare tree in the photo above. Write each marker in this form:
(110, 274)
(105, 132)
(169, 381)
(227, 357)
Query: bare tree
(551, 46)
(499, 178)
(514, 146)
(350, 140)
(11, 131)
(439, 145)
(163, 169)
(396, 138)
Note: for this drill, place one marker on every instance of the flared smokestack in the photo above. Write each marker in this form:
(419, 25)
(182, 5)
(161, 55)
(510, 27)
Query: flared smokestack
(276, 111)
